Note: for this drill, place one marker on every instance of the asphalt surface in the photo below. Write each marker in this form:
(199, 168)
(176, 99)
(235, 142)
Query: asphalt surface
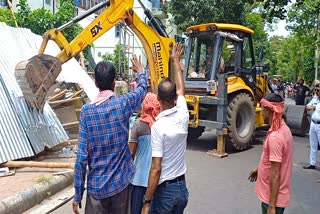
(221, 186)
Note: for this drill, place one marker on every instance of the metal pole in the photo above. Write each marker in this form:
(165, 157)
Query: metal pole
(317, 50)
(124, 49)
(119, 55)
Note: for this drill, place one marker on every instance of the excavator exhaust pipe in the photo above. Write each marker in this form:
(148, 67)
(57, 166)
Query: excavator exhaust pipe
(35, 77)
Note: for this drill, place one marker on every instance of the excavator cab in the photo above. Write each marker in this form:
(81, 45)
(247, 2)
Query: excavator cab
(224, 85)
(220, 82)
(218, 51)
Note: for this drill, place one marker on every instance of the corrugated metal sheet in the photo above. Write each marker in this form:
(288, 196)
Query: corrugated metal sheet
(42, 129)
(14, 143)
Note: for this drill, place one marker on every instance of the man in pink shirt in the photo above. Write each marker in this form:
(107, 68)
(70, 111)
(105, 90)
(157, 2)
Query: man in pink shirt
(274, 172)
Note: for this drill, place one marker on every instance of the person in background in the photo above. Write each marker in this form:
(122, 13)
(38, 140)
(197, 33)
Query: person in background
(280, 88)
(133, 84)
(274, 172)
(103, 144)
(140, 147)
(309, 95)
(301, 91)
(274, 86)
(314, 133)
(166, 185)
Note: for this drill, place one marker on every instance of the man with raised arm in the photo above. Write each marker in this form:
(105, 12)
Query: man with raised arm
(167, 191)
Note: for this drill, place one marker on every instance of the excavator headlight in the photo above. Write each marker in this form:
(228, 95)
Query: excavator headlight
(211, 28)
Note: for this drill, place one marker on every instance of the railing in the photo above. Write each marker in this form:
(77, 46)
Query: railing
(87, 4)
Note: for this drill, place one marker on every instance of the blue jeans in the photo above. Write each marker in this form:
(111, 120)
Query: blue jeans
(137, 193)
(170, 198)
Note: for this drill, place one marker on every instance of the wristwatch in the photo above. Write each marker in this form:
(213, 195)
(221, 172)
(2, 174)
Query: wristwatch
(146, 201)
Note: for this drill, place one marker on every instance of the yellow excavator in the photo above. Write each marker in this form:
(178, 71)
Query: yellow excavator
(223, 82)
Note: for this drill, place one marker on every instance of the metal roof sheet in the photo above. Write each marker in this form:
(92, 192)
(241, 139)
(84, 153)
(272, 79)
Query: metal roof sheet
(25, 131)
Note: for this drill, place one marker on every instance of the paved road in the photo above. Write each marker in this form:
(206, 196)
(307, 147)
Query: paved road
(221, 185)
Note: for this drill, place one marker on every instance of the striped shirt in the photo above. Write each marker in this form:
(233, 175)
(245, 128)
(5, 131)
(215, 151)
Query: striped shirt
(103, 144)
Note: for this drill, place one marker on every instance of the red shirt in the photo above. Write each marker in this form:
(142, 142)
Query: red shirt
(278, 147)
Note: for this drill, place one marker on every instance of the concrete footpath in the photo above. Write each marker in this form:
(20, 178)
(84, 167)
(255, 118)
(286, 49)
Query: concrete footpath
(29, 186)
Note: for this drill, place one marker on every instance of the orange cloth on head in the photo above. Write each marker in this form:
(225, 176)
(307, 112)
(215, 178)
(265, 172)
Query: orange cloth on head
(150, 108)
(277, 109)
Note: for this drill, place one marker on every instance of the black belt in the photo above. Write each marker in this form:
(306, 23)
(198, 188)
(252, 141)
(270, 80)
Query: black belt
(180, 178)
(316, 122)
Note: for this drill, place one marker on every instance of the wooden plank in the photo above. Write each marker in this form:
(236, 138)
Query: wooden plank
(18, 164)
(64, 101)
(58, 96)
(70, 125)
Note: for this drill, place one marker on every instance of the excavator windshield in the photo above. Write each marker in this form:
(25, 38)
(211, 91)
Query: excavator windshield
(201, 57)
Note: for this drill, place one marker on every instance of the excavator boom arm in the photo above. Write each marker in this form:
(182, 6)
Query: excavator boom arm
(35, 85)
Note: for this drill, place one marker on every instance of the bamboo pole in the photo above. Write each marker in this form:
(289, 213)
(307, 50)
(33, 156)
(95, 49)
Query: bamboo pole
(82, 60)
(12, 13)
(77, 93)
(18, 164)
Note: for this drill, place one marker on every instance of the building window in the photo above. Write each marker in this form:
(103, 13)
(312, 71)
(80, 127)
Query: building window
(117, 31)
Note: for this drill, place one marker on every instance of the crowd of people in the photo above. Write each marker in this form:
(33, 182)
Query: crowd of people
(145, 172)
(298, 91)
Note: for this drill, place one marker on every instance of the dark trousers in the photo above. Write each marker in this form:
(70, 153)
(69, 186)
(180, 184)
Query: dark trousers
(137, 194)
(264, 206)
(300, 102)
(116, 204)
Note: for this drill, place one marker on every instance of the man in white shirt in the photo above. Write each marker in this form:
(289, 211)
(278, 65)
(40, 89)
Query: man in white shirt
(166, 185)
(314, 133)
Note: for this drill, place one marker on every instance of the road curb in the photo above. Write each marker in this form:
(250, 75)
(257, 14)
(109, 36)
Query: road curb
(34, 195)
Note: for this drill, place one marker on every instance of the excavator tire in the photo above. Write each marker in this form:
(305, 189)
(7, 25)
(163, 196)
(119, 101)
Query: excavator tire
(36, 76)
(194, 133)
(241, 121)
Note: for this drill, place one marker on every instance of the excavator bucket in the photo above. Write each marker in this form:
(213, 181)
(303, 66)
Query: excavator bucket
(297, 119)
(35, 77)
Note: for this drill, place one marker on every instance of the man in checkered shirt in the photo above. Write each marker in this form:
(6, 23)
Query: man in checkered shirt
(103, 144)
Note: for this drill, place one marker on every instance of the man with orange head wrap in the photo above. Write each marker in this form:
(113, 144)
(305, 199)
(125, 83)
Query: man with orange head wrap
(274, 172)
(140, 147)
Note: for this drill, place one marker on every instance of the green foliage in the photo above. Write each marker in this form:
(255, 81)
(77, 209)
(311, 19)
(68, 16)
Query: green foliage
(117, 56)
(5, 16)
(302, 21)
(65, 13)
(204, 11)
(260, 37)
(23, 14)
(41, 20)
(231, 11)
(291, 58)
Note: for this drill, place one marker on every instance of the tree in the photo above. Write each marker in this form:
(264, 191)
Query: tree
(117, 56)
(204, 11)
(231, 11)
(5, 16)
(41, 20)
(302, 21)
